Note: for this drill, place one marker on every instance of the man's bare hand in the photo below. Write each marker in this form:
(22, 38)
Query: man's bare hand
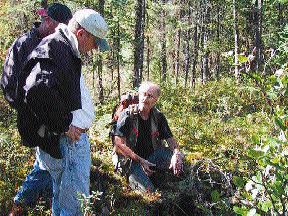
(147, 166)
(73, 133)
(176, 163)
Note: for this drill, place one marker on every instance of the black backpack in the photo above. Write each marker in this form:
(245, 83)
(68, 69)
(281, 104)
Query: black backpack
(13, 74)
(12, 84)
(10, 81)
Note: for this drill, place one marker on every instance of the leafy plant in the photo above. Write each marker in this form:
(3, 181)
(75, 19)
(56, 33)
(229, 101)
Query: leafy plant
(265, 190)
(88, 201)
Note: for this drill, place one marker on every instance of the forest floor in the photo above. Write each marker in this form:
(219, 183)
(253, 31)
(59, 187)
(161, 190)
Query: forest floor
(214, 125)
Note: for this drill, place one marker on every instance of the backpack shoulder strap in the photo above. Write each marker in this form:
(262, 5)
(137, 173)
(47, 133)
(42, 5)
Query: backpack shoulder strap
(154, 128)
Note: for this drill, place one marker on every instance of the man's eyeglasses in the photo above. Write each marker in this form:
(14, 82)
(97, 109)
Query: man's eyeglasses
(148, 96)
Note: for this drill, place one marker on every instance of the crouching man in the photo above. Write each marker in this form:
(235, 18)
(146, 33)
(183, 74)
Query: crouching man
(139, 150)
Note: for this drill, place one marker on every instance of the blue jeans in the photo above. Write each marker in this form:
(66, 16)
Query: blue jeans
(71, 175)
(138, 178)
(37, 183)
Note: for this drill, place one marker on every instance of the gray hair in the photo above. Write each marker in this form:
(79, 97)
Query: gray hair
(154, 86)
(73, 25)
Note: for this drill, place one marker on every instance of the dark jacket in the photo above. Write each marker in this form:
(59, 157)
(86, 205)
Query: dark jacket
(52, 91)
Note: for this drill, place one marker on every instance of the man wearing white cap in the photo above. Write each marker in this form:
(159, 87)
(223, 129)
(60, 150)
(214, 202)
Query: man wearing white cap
(57, 95)
(38, 182)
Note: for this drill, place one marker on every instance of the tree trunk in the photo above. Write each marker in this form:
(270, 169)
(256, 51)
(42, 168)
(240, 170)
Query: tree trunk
(113, 54)
(148, 57)
(195, 51)
(236, 42)
(100, 59)
(118, 59)
(148, 45)
(195, 56)
(139, 42)
(101, 7)
(205, 60)
(187, 54)
(113, 48)
(258, 35)
(163, 55)
(280, 18)
(178, 43)
(218, 67)
(177, 60)
(94, 75)
(100, 79)
(187, 57)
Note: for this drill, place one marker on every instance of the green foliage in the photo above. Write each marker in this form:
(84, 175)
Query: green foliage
(215, 120)
(218, 124)
(12, 156)
(216, 116)
(280, 59)
(88, 201)
(266, 187)
(14, 21)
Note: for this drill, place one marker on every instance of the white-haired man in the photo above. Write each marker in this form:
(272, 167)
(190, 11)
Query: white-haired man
(57, 95)
(138, 141)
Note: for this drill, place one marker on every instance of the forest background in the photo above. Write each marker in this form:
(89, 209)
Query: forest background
(222, 66)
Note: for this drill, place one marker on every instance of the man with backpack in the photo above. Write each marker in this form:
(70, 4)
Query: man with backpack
(56, 94)
(38, 181)
(138, 141)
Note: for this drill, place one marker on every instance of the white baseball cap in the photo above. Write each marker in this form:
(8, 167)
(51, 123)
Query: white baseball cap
(95, 24)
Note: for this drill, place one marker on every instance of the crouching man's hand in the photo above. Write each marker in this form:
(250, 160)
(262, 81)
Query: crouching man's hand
(146, 165)
(177, 162)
